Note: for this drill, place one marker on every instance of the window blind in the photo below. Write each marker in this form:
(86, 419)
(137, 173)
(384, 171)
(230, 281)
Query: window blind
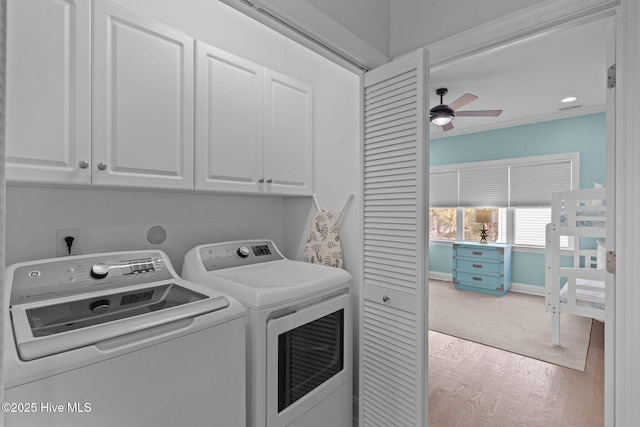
(484, 187)
(532, 185)
(530, 224)
(519, 182)
(443, 189)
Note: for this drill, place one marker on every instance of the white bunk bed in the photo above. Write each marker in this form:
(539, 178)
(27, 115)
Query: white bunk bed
(576, 286)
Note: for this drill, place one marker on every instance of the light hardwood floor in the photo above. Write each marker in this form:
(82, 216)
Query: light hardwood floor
(472, 385)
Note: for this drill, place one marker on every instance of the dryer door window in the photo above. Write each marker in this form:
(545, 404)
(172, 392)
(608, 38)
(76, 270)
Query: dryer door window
(308, 356)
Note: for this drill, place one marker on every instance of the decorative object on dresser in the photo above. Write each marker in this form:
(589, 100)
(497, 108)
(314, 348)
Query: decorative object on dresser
(482, 267)
(483, 216)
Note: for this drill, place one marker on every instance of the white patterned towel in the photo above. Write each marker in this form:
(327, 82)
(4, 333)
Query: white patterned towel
(323, 242)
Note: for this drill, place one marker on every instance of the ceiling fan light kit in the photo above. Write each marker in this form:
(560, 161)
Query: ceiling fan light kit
(442, 114)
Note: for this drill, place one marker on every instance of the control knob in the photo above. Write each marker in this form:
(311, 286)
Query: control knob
(100, 306)
(243, 251)
(99, 270)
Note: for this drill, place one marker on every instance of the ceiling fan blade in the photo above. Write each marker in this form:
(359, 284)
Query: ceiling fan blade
(447, 127)
(462, 101)
(479, 113)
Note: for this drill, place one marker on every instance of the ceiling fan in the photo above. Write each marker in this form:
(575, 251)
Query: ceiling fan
(442, 114)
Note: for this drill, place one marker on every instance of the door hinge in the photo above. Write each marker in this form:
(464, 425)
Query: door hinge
(611, 262)
(611, 77)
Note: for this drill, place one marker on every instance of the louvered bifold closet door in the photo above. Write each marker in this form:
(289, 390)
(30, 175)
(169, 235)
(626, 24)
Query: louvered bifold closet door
(393, 331)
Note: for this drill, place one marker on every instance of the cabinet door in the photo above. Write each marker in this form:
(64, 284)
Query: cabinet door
(48, 119)
(287, 135)
(143, 102)
(229, 116)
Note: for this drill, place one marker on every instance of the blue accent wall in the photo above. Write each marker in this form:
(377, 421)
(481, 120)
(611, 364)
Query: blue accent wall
(584, 134)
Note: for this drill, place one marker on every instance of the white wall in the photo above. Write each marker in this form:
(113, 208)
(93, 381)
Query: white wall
(112, 220)
(417, 23)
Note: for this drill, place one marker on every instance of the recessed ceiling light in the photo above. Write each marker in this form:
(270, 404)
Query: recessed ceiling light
(570, 99)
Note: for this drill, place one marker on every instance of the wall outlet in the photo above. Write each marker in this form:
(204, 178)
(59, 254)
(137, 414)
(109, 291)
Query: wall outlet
(61, 243)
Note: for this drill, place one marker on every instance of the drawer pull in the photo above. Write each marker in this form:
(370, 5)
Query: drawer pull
(477, 253)
(476, 265)
(478, 279)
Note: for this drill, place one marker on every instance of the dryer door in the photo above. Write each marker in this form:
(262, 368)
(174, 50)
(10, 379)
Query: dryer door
(308, 358)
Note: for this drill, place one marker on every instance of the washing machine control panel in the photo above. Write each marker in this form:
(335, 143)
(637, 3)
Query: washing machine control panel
(235, 254)
(71, 275)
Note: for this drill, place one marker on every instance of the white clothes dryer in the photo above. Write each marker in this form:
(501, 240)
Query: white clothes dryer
(299, 331)
(120, 339)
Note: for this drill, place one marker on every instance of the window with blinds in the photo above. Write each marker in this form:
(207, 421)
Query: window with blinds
(516, 182)
(443, 189)
(518, 189)
(529, 227)
(484, 187)
(532, 185)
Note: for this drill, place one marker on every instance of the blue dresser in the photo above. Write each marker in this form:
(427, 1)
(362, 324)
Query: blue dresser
(482, 268)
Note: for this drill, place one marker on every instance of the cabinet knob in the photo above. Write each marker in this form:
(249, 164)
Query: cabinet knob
(385, 298)
(83, 164)
(261, 180)
(269, 181)
(102, 166)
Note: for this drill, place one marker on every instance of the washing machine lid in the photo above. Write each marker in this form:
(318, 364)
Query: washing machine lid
(63, 303)
(263, 285)
(53, 326)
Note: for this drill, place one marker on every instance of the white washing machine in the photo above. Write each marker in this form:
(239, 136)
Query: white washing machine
(118, 339)
(299, 343)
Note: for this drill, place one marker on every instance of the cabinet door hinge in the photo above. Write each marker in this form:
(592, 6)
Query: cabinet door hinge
(611, 262)
(611, 77)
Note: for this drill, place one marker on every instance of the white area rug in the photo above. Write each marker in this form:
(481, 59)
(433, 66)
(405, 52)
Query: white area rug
(515, 322)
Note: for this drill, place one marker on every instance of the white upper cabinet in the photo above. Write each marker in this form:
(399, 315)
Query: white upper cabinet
(142, 101)
(287, 135)
(253, 127)
(48, 110)
(128, 102)
(229, 103)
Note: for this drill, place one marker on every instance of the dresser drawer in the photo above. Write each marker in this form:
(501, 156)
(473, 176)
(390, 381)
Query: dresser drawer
(498, 290)
(477, 266)
(479, 280)
(479, 252)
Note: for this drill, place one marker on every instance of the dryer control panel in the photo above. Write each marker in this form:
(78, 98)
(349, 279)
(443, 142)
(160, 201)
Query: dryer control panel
(235, 254)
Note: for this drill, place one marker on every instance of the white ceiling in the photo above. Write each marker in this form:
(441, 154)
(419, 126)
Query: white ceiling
(527, 80)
